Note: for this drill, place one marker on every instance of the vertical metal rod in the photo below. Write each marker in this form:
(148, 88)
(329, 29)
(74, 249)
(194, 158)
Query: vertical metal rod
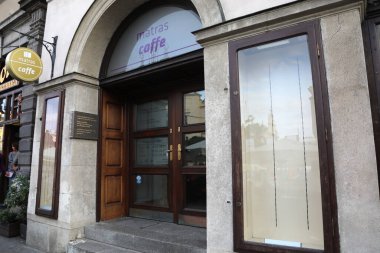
(274, 154)
(304, 147)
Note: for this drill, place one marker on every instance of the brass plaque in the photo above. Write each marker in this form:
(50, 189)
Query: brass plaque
(84, 126)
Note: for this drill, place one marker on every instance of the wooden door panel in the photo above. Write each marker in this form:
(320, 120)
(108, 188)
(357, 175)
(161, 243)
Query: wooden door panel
(113, 160)
(114, 153)
(114, 116)
(113, 190)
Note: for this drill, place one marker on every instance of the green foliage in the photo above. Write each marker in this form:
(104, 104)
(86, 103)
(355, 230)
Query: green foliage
(16, 200)
(8, 216)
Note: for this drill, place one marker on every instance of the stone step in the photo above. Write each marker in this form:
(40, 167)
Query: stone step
(148, 236)
(90, 246)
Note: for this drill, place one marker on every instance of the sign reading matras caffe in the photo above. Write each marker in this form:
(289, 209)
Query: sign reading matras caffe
(24, 64)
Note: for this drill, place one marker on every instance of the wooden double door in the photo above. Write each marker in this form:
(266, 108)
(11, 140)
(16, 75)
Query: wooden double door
(153, 155)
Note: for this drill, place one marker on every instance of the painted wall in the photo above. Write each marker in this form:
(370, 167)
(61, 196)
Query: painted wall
(7, 8)
(58, 24)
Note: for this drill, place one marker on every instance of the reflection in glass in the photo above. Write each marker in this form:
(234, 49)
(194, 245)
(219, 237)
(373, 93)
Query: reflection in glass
(9, 105)
(49, 154)
(194, 108)
(3, 108)
(16, 108)
(151, 151)
(1, 139)
(151, 115)
(195, 191)
(195, 149)
(151, 190)
(281, 181)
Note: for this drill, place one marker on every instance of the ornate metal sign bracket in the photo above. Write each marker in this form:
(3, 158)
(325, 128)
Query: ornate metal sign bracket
(51, 47)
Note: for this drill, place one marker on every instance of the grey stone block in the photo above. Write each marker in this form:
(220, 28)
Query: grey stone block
(149, 236)
(25, 158)
(90, 246)
(27, 90)
(27, 117)
(25, 170)
(26, 131)
(29, 103)
(25, 144)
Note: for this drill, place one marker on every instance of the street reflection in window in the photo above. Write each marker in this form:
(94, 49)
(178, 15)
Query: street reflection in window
(281, 180)
(49, 154)
(194, 108)
(195, 149)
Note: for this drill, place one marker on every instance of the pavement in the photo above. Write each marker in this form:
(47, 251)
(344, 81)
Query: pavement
(15, 245)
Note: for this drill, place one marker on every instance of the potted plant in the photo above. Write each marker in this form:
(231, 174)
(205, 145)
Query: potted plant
(16, 201)
(9, 224)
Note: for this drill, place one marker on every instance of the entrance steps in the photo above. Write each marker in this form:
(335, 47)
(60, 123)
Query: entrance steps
(133, 235)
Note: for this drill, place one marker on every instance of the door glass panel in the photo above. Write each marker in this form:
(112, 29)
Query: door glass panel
(194, 108)
(195, 192)
(151, 190)
(195, 149)
(151, 151)
(280, 161)
(151, 115)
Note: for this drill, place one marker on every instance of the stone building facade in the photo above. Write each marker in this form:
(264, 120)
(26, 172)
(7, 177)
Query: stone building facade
(22, 24)
(278, 156)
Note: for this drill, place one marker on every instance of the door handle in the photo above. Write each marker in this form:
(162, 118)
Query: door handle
(179, 152)
(170, 151)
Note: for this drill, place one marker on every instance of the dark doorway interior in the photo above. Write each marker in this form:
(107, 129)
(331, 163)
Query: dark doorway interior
(9, 134)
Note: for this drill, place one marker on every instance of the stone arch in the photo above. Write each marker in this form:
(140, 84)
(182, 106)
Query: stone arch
(101, 21)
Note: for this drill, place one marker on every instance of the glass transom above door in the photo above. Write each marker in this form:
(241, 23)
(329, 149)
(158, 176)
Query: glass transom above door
(159, 34)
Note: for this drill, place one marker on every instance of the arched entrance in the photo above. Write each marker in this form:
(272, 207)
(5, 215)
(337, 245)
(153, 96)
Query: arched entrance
(152, 149)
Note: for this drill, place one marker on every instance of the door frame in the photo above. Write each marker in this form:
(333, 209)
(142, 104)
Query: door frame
(327, 178)
(372, 53)
(187, 68)
(174, 171)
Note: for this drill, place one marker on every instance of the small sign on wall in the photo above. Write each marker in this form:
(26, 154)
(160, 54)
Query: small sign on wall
(84, 126)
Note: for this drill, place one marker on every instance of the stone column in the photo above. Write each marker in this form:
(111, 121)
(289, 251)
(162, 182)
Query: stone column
(219, 163)
(353, 140)
(78, 166)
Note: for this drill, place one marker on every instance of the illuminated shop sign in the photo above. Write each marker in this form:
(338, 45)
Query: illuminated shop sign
(6, 80)
(24, 64)
(159, 34)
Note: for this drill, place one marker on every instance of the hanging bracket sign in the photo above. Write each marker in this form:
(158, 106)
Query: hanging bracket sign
(24, 64)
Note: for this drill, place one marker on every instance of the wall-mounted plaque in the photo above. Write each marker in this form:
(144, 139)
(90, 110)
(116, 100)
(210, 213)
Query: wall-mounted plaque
(84, 126)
